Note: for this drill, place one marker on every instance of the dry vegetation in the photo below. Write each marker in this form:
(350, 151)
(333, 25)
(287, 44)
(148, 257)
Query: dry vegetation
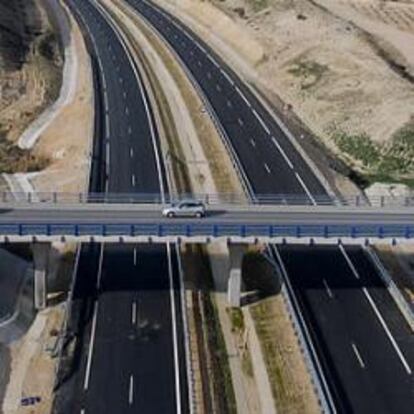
(291, 387)
(345, 67)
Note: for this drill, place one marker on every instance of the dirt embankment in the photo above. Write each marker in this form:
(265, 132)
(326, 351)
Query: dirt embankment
(30, 77)
(343, 66)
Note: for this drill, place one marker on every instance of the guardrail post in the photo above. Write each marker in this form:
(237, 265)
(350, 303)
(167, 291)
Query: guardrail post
(382, 201)
(353, 232)
(243, 230)
(20, 229)
(48, 229)
(215, 230)
(76, 229)
(29, 197)
(55, 197)
(132, 230)
(188, 230)
(160, 230)
(298, 232)
(80, 198)
(407, 232)
(103, 229)
(381, 232)
(326, 231)
(357, 200)
(271, 231)
(4, 196)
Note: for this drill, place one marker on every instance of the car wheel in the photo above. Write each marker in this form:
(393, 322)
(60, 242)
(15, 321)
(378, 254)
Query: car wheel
(170, 215)
(199, 215)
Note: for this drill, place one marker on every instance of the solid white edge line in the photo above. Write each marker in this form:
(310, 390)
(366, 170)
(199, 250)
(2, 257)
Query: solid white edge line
(227, 76)
(243, 97)
(262, 123)
(308, 193)
(104, 13)
(91, 347)
(135, 256)
(386, 329)
(358, 355)
(186, 330)
(174, 327)
(286, 158)
(378, 314)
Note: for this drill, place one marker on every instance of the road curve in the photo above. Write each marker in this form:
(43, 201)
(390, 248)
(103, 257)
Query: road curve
(126, 312)
(272, 165)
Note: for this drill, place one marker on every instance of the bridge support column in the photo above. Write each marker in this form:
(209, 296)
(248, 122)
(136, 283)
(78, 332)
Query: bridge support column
(41, 263)
(236, 253)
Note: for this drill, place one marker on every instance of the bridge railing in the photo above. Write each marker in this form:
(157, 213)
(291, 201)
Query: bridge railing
(213, 230)
(208, 198)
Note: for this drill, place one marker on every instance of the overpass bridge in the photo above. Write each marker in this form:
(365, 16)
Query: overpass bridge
(44, 218)
(132, 218)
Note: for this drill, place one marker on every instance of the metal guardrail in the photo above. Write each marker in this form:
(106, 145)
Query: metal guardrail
(213, 230)
(208, 198)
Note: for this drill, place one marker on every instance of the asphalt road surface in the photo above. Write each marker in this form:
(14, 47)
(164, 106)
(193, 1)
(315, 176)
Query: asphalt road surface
(271, 165)
(126, 317)
(112, 214)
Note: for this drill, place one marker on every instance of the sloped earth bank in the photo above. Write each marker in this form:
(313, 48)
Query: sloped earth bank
(332, 63)
(30, 77)
(30, 82)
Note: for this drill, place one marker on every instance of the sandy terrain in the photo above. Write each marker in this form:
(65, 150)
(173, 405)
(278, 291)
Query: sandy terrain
(332, 70)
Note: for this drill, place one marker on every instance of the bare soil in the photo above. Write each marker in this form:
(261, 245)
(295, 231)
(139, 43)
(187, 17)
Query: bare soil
(348, 81)
(30, 77)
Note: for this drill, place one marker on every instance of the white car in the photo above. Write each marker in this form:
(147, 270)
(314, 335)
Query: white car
(185, 208)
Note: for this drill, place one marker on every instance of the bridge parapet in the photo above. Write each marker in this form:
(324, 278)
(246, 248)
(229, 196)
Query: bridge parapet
(7, 198)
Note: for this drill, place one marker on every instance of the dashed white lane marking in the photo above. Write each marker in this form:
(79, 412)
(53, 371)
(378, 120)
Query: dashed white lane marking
(262, 123)
(121, 80)
(134, 313)
(267, 168)
(289, 163)
(229, 104)
(199, 63)
(129, 130)
(135, 256)
(133, 180)
(243, 97)
(82, 411)
(131, 152)
(252, 141)
(308, 193)
(131, 390)
(328, 289)
(218, 87)
(378, 314)
(240, 121)
(126, 110)
(358, 355)
(125, 94)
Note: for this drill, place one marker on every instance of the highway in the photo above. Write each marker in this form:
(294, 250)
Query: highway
(364, 365)
(125, 317)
